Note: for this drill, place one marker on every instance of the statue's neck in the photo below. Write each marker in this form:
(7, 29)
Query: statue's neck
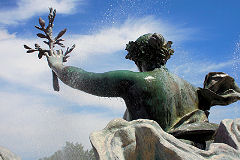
(155, 68)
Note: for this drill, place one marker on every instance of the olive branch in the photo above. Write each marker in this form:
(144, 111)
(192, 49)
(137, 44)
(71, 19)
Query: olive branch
(51, 42)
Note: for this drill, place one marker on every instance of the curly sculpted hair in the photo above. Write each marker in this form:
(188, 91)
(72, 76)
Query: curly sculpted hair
(150, 47)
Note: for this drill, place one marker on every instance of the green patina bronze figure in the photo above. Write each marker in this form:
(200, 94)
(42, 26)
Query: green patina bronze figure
(154, 93)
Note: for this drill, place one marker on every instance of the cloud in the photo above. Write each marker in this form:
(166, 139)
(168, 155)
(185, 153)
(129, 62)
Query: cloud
(19, 66)
(112, 39)
(31, 127)
(218, 113)
(4, 35)
(194, 70)
(25, 9)
(83, 99)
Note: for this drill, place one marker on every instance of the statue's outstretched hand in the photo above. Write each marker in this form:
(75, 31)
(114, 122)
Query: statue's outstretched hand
(55, 58)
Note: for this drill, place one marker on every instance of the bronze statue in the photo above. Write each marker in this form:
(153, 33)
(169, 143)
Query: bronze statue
(153, 93)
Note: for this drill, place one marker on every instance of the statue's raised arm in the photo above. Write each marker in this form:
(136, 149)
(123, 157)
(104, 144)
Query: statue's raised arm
(108, 84)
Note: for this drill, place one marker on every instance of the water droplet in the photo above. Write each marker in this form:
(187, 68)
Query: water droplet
(236, 61)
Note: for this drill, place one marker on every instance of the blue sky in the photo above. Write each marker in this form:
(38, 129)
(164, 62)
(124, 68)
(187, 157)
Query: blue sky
(36, 121)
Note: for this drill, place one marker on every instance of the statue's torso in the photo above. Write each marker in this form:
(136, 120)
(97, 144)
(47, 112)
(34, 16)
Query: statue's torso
(161, 96)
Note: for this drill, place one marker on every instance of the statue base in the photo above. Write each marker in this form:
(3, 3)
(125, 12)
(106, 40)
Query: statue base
(144, 139)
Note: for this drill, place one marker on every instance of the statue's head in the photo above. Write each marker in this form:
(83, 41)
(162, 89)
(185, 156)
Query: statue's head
(149, 51)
